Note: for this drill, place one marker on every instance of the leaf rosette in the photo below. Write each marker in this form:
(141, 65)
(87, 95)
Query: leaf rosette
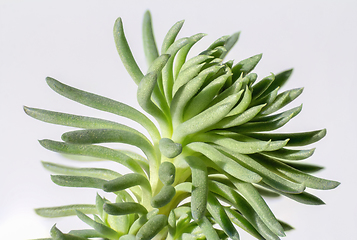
(210, 161)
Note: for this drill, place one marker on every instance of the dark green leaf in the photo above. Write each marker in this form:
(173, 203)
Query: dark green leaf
(245, 66)
(165, 196)
(123, 208)
(280, 80)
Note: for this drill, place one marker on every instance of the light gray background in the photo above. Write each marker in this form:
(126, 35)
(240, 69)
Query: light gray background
(72, 41)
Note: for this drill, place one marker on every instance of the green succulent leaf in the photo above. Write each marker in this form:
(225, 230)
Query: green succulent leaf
(89, 172)
(150, 48)
(240, 221)
(98, 152)
(152, 227)
(169, 148)
(138, 223)
(225, 163)
(290, 154)
(181, 56)
(186, 92)
(258, 204)
(239, 119)
(78, 181)
(102, 229)
(124, 208)
(231, 196)
(296, 175)
(104, 104)
(295, 139)
(56, 234)
(165, 195)
(199, 187)
(167, 173)
(92, 136)
(145, 90)
(171, 35)
(269, 177)
(64, 211)
(245, 66)
(86, 233)
(260, 87)
(127, 181)
(125, 53)
(219, 214)
(206, 227)
(205, 119)
(280, 80)
(281, 101)
(73, 120)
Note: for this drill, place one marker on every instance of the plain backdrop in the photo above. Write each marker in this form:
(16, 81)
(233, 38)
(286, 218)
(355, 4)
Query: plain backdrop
(72, 42)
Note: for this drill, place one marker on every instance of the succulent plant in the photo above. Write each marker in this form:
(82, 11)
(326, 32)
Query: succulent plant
(206, 168)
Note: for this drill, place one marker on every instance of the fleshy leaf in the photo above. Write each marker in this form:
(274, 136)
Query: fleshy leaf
(167, 173)
(165, 195)
(152, 227)
(125, 53)
(68, 210)
(123, 208)
(78, 181)
(218, 213)
(102, 229)
(104, 104)
(150, 47)
(199, 187)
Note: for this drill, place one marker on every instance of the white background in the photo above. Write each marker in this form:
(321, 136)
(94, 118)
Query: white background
(72, 41)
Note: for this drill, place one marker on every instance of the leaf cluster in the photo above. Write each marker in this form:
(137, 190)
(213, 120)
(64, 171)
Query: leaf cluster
(209, 164)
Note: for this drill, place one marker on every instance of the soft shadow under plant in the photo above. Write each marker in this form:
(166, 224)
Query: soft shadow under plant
(207, 167)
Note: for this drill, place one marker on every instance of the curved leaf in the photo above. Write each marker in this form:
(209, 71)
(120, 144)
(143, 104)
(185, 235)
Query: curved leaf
(245, 66)
(104, 104)
(165, 196)
(167, 173)
(98, 152)
(218, 213)
(150, 48)
(268, 176)
(102, 229)
(205, 119)
(152, 227)
(125, 53)
(92, 136)
(199, 187)
(124, 208)
(225, 163)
